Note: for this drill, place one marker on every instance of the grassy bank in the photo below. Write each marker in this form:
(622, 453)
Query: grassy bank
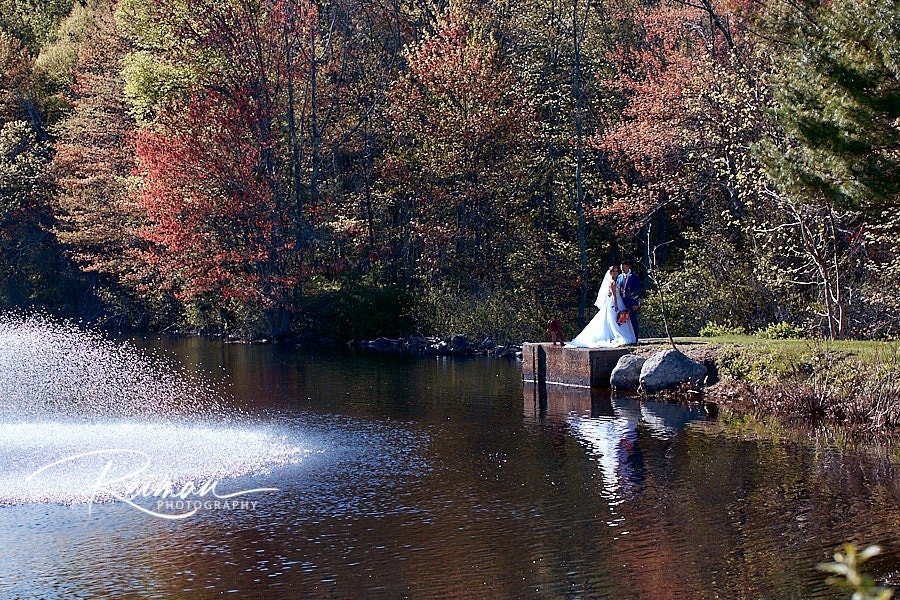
(849, 383)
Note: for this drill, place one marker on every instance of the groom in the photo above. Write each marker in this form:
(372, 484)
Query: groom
(630, 287)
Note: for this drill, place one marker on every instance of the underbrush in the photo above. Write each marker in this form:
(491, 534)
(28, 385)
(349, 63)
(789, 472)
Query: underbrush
(358, 311)
(502, 315)
(824, 387)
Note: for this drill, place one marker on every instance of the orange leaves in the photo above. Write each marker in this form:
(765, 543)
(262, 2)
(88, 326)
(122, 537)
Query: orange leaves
(458, 124)
(213, 218)
(668, 79)
(456, 98)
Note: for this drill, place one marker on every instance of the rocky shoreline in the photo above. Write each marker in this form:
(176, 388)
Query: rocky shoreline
(460, 345)
(452, 345)
(741, 377)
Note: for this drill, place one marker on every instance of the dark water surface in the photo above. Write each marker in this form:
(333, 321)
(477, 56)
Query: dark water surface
(437, 478)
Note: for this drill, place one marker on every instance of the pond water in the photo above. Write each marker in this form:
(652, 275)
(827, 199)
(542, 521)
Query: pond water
(432, 478)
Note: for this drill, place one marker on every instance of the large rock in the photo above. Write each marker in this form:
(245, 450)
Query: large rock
(669, 369)
(460, 344)
(384, 345)
(508, 352)
(417, 345)
(626, 375)
(487, 344)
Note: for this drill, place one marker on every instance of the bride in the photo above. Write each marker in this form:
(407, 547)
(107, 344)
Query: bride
(604, 330)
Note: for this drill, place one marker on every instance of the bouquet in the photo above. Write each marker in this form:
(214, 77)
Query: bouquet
(623, 317)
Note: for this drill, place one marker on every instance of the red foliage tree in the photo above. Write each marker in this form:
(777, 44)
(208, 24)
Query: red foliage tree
(458, 128)
(211, 201)
(687, 117)
(220, 180)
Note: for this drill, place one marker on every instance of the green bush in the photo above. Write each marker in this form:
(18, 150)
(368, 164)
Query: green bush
(359, 311)
(504, 315)
(711, 276)
(680, 315)
(737, 363)
(780, 331)
(713, 329)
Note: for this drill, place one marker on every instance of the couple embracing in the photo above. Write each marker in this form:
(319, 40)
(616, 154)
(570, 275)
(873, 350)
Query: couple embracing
(616, 323)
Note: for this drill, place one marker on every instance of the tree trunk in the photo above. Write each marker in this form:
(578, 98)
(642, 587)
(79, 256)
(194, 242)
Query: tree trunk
(313, 120)
(296, 169)
(367, 177)
(579, 163)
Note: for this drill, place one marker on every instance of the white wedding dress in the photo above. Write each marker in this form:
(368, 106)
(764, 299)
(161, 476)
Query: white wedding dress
(604, 330)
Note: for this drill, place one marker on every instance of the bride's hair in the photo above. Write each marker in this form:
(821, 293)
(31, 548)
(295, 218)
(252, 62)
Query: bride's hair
(612, 268)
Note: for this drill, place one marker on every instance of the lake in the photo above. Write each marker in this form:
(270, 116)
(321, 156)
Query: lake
(443, 478)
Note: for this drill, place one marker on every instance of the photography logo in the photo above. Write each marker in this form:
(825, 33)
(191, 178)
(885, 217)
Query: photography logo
(124, 475)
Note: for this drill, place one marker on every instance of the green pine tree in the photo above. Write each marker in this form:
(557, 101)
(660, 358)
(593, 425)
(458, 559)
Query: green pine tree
(837, 100)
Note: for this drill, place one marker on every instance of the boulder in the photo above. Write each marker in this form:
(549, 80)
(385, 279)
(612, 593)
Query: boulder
(417, 345)
(459, 344)
(626, 375)
(669, 369)
(507, 352)
(384, 345)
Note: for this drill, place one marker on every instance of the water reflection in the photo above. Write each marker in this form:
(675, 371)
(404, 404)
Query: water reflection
(608, 427)
(613, 441)
(440, 479)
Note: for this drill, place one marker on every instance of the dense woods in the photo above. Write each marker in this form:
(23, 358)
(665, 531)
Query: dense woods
(339, 169)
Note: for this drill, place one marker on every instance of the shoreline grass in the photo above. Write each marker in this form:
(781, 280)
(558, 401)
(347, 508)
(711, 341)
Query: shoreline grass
(848, 383)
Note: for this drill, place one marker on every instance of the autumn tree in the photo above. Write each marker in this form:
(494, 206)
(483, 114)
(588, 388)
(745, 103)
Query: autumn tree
(229, 71)
(218, 234)
(33, 270)
(689, 87)
(95, 157)
(454, 168)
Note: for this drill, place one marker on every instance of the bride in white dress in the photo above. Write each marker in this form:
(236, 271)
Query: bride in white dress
(604, 330)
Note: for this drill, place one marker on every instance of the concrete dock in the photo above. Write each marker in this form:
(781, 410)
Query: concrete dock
(581, 367)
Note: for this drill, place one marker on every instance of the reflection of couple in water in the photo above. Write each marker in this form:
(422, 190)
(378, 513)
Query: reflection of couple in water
(616, 322)
(613, 438)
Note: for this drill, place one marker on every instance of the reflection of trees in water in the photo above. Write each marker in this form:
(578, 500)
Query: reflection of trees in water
(861, 468)
(695, 511)
(770, 508)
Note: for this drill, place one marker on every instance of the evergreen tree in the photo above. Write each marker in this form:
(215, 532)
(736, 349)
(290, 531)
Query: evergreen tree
(838, 100)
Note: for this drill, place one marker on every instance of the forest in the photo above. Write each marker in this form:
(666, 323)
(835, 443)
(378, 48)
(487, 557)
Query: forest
(343, 169)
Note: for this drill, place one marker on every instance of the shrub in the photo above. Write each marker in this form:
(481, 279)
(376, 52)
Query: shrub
(737, 363)
(856, 395)
(504, 315)
(713, 329)
(682, 320)
(780, 331)
(359, 311)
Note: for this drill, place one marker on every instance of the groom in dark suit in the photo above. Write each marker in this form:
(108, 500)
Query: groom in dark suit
(630, 287)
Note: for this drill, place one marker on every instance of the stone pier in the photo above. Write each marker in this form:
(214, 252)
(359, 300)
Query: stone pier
(581, 367)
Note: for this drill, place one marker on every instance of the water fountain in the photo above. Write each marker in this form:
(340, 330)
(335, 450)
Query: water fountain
(73, 403)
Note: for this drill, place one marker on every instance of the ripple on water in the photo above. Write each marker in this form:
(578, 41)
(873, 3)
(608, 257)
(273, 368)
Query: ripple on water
(161, 451)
